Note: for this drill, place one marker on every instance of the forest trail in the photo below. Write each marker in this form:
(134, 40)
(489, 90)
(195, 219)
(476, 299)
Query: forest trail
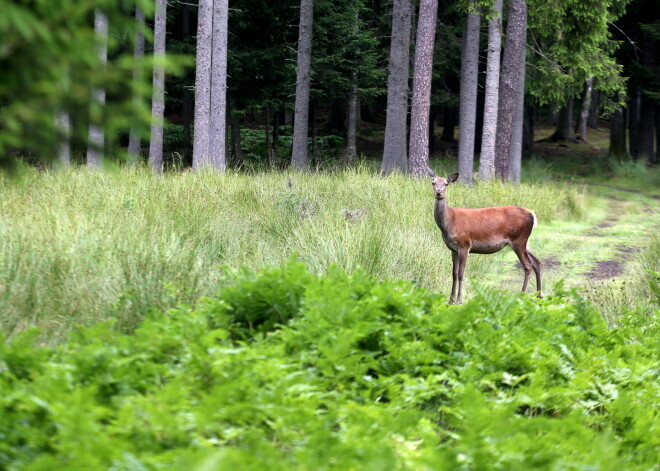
(605, 246)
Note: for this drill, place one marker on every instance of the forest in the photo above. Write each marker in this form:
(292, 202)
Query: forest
(231, 233)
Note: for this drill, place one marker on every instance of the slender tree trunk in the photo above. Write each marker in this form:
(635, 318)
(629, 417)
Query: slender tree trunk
(515, 151)
(138, 56)
(421, 99)
(299, 159)
(95, 149)
(187, 98)
(218, 121)
(395, 148)
(564, 131)
(201, 138)
(584, 112)
(618, 134)
(510, 81)
(487, 157)
(158, 96)
(468, 105)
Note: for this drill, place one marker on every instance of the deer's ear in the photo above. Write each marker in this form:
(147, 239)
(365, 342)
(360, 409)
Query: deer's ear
(453, 178)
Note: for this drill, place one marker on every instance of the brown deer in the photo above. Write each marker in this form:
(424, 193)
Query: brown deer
(484, 231)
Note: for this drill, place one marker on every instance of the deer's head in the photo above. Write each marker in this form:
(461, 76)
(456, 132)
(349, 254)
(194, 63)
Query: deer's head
(440, 185)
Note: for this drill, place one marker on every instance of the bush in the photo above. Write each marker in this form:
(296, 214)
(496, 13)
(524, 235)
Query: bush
(287, 370)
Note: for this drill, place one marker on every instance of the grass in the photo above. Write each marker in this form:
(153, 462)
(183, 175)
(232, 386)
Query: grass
(78, 247)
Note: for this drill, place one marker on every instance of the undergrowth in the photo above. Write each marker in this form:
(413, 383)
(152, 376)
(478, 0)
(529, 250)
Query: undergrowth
(283, 369)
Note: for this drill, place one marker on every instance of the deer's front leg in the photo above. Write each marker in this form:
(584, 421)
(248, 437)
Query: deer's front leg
(454, 276)
(462, 262)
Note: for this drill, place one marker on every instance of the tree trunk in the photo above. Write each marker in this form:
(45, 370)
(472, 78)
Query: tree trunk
(395, 148)
(96, 143)
(421, 99)
(468, 104)
(487, 157)
(218, 121)
(618, 134)
(350, 153)
(515, 151)
(201, 138)
(564, 131)
(187, 98)
(299, 159)
(158, 97)
(138, 56)
(586, 108)
(510, 81)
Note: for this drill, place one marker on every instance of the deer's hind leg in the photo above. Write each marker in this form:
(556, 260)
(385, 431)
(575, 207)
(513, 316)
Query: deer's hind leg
(536, 265)
(525, 260)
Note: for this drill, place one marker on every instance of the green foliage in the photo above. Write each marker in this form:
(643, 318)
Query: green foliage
(352, 372)
(49, 55)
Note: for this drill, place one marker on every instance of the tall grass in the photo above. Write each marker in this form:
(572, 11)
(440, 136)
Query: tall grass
(77, 246)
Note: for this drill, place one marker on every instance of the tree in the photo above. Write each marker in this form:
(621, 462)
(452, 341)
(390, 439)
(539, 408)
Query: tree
(585, 110)
(209, 146)
(468, 103)
(515, 150)
(421, 98)
(138, 55)
(95, 149)
(218, 101)
(158, 98)
(299, 158)
(395, 149)
(510, 81)
(487, 157)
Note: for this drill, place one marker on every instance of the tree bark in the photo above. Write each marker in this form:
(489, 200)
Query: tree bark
(564, 131)
(218, 121)
(138, 57)
(586, 108)
(350, 153)
(468, 104)
(201, 138)
(95, 149)
(299, 158)
(487, 157)
(187, 98)
(515, 151)
(510, 81)
(158, 91)
(592, 121)
(421, 99)
(63, 123)
(395, 149)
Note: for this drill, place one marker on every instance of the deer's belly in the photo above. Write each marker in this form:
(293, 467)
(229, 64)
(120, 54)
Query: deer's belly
(486, 247)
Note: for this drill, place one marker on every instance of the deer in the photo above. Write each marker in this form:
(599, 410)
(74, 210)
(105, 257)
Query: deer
(482, 231)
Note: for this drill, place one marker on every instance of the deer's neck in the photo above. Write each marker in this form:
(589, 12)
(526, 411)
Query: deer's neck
(442, 216)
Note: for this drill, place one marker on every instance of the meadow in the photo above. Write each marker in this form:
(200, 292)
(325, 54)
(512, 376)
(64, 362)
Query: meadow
(284, 320)
(77, 247)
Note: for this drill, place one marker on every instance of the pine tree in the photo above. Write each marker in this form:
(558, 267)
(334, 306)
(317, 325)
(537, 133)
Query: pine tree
(158, 98)
(96, 144)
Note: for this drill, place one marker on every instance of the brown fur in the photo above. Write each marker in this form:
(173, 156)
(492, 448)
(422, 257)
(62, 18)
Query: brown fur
(483, 231)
